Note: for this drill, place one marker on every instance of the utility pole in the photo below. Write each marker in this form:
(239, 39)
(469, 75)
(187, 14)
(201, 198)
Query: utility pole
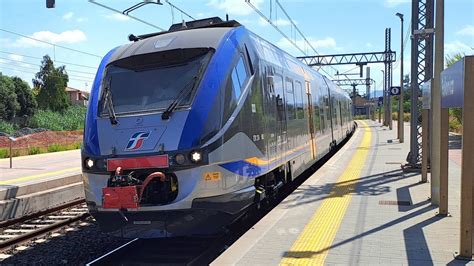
(401, 129)
(385, 122)
(439, 165)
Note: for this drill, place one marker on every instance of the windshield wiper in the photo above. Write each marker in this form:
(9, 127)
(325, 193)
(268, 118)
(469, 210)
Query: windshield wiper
(166, 114)
(109, 103)
(185, 91)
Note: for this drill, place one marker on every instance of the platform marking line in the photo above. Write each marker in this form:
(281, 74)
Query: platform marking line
(32, 177)
(105, 255)
(314, 242)
(36, 156)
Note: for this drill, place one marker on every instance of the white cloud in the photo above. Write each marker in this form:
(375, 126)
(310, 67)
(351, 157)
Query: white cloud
(369, 45)
(278, 22)
(117, 17)
(394, 3)
(457, 47)
(15, 57)
(234, 7)
(468, 30)
(68, 15)
(82, 19)
(70, 36)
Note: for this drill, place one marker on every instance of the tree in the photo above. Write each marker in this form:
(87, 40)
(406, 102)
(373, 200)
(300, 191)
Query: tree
(455, 112)
(51, 83)
(24, 96)
(8, 103)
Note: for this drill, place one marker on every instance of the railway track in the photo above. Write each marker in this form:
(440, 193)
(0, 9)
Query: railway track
(18, 231)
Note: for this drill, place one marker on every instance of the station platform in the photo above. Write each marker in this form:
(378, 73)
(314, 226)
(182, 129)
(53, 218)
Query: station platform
(359, 208)
(38, 182)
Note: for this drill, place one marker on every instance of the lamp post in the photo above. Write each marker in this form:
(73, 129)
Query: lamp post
(400, 99)
(385, 122)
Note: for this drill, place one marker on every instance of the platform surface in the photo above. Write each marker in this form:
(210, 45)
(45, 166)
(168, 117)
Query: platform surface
(360, 208)
(39, 168)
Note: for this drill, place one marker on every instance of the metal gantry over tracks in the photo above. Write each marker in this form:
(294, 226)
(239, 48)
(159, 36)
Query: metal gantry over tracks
(360, 59)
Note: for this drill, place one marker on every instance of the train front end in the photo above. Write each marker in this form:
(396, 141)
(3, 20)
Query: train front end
(153, 105)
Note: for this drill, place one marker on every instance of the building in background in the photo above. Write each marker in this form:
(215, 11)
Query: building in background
(77, 97)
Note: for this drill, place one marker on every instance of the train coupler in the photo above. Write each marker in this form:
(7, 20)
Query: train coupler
(127, 191)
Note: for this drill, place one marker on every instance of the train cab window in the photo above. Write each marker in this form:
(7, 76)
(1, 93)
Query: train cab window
(239, 76)
(299, 100)
(235, 84)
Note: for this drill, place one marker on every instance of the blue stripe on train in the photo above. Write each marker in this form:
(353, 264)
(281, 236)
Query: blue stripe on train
(209, 89)
(247, 169)
(91, 140)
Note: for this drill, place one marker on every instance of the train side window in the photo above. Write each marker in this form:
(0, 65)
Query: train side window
(290, 99)
(299, 100)
(279, 96)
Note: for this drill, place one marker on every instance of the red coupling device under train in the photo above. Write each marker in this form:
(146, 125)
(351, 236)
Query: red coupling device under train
(127, 196)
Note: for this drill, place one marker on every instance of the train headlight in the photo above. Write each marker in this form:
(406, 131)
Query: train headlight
(179, 158)
(196, 156)
(89, 163)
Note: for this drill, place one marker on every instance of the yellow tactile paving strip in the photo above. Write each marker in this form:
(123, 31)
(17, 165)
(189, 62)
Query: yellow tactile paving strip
(313, 244)
(33, 177)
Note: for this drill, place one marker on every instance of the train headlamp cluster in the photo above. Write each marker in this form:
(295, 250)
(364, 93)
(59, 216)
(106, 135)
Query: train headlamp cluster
(89, 163)
(94, 164)
(196, 156)
(185, 158)
(180, 158)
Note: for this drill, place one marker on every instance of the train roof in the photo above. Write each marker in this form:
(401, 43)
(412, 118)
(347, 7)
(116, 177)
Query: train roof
(205, 33)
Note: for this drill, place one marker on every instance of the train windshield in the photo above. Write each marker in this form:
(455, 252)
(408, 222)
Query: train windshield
(151, 82)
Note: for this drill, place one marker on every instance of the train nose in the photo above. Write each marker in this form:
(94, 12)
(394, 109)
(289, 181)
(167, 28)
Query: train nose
(127, 138)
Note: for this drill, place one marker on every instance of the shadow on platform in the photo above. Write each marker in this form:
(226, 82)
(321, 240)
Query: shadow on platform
(372, 185)
(455, 142)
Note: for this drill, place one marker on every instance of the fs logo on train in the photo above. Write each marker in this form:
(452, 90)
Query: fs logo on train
(136, 141)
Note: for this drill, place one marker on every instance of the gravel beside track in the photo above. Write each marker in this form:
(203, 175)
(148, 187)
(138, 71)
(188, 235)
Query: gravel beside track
(75, 245)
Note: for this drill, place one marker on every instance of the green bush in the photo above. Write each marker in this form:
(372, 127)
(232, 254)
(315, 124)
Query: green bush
(454, 125)
(71, 119)
(54, 148)
(6, 127)
(3, 153)
(34, 150)
(406, 117)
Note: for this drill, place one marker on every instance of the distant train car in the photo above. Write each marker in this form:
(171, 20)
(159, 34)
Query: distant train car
(187, 128)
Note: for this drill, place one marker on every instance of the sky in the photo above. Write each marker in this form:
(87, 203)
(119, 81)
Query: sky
(83, 32)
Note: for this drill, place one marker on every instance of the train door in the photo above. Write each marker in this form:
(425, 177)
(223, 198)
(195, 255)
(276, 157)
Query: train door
(309, 111)
(280, 130)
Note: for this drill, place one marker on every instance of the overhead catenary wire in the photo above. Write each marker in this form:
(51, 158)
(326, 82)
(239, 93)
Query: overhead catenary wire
(32, 64)
(40, 58)
(49, 43)
(32, 69)
(270, 21)
(405, 40)
(132, 17)
(31, 72)
(179, 9)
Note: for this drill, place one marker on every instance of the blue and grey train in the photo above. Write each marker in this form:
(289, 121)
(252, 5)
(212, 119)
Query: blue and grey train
(188, 128)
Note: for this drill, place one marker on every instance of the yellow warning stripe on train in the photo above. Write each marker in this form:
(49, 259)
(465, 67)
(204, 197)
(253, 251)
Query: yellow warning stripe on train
(314, 243)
